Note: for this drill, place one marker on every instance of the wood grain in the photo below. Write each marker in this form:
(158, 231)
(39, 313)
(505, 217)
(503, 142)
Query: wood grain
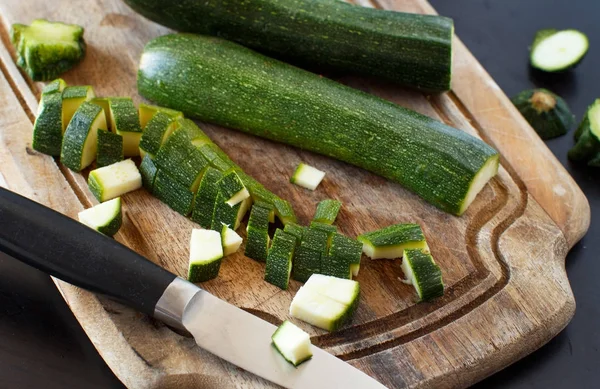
(503, 261)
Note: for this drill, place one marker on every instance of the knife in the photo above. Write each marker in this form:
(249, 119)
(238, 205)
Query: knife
(66, 249)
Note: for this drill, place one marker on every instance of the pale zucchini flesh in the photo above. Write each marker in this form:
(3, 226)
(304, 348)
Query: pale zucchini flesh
(105, 218)
(125, 122)
(292, 343)
(230, 241)
(307, 176)
(73, 97)
(343, 291)
(554, 51)
(206, 253)
(318, 309)
(114, 180)
(390, 242)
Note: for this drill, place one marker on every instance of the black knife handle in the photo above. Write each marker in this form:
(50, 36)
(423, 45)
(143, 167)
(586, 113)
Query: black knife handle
(75, 253)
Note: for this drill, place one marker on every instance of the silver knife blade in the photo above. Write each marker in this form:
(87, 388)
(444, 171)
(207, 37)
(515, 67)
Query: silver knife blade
(245, 340)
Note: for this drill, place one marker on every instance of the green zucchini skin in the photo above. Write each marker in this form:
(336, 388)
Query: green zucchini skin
(242, 89)
(279, 259)
(206, 197)
(587, 146)
(148, 172)
(172, 193)
(410, 49)
(547, 113)
(47, 129)
(110, 148)
(327, 211)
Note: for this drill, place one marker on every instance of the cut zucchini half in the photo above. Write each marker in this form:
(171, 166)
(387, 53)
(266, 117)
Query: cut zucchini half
(230, 240)
(177, 196)
(73, 97)
(307, 176)
(156, 132)
(206, 253)
(232, 188)
(548, 114)
(105, 218)
(423, 273)
(48, 126)
(318, 309)
(146, 113)
(390, 242)
(279, 259)
(343, 258)
(110, 148)
(587, 147)
(327, 211)
(343, 291)
(80, 141)
(125, 122)
(206, 197)
(556, 51)
(148, 171)
(115, 180)
(292, 343)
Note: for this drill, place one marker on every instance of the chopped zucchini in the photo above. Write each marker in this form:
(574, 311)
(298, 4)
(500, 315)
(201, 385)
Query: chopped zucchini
(105, 218)
(217, 158)
(179, 145)
(270, 207)
(548, 114)
(343, 258)
(279, 259)
(230, 241)
(80, 140)
(327, 211)
(125, 122)
(103, 102)
(147, 112)
(206, 197)
(110, 148)
(556, 51)
(283, 209)
(292, 343)
(174, 194)
(190, 170)
(57, 85)
(156, 132)
(307, 258)
(343, 291)
(307, 176)
(318, 309)
(232, 188)
(112, 181)
(148, 171)
(295, 230)
(423, 273)
(47, 49)
(73, 97)
(206, 253)
(390, 242)
(328, 228)
(257, 240)
(48, 127)
(587, 148)
(223, 214)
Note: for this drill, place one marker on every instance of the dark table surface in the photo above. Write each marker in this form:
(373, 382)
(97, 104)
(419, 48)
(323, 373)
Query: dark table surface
(42, 345)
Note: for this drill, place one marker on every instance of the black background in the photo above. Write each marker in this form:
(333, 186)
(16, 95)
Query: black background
(42, 345)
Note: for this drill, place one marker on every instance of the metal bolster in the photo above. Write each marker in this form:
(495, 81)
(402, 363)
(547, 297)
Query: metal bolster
(171, 305)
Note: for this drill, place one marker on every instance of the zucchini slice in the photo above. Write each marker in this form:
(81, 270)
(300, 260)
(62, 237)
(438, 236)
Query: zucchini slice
(104, 103)
(292, 343)
(307, 176)
(156, 132)
(343, 291)
(327, 211)
(328, 228)
(556, 51)
(146, 112)
(390, 242)
(257, 241)
(206, 253)
(343, 258)
(126, 122)
(110, 148)
(296, 230)
(179, 145)
(206, 198)
(73, 97)
(423, 273)
(148, 171)
(547, 113)
(171, 192)
(587, 147)
(232, 188)
(105, 218)
(318, 309)
(283, 209)
(279, 259)
(230, 241)
(189, 171)
(223, 214)
(80, 141)
(57, 85)
(307, 258)
(48, 126)
(115, 180)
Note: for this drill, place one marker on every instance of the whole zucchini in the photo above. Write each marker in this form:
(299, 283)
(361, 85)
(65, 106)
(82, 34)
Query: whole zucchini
(221, 82)
(410, 49)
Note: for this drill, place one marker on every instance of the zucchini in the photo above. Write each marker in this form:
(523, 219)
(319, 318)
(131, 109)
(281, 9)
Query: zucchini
(292, 343)
(125, 122)
(104, 103)
(48, 126)
(307, 258)
(148, 172)
(556, 51)
(343, 291)
(295, 230)
(57, 85)
(179, 145)
(257, 240)
(279, 259)
(73, 97)
(171, 192)
(343, 258)
(587, 147)
(327, 211)
(233, 189)
(307, 176)
(410, 49)
(328, 228)
(80, 141)
(105, 218)
(547, 113)
(283, 209)
(147, 112)
(206, 254)
(224, 214)
(423, 273)
(112, 181)
(156, 132)
(206, 198)
(189, 171)
(110, 148)
(230, 240)
(391, 242)
(47, 49)
(217, 158)
(220, 82)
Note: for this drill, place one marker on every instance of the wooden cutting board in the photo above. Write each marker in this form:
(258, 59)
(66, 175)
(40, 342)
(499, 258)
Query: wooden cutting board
(503, 261)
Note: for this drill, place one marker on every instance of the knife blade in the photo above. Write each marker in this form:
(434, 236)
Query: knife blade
(66, 249)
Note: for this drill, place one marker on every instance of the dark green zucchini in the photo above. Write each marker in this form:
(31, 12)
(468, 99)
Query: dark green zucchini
(547, 113)
(587, 148)
(221, 82)
(411, 49)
